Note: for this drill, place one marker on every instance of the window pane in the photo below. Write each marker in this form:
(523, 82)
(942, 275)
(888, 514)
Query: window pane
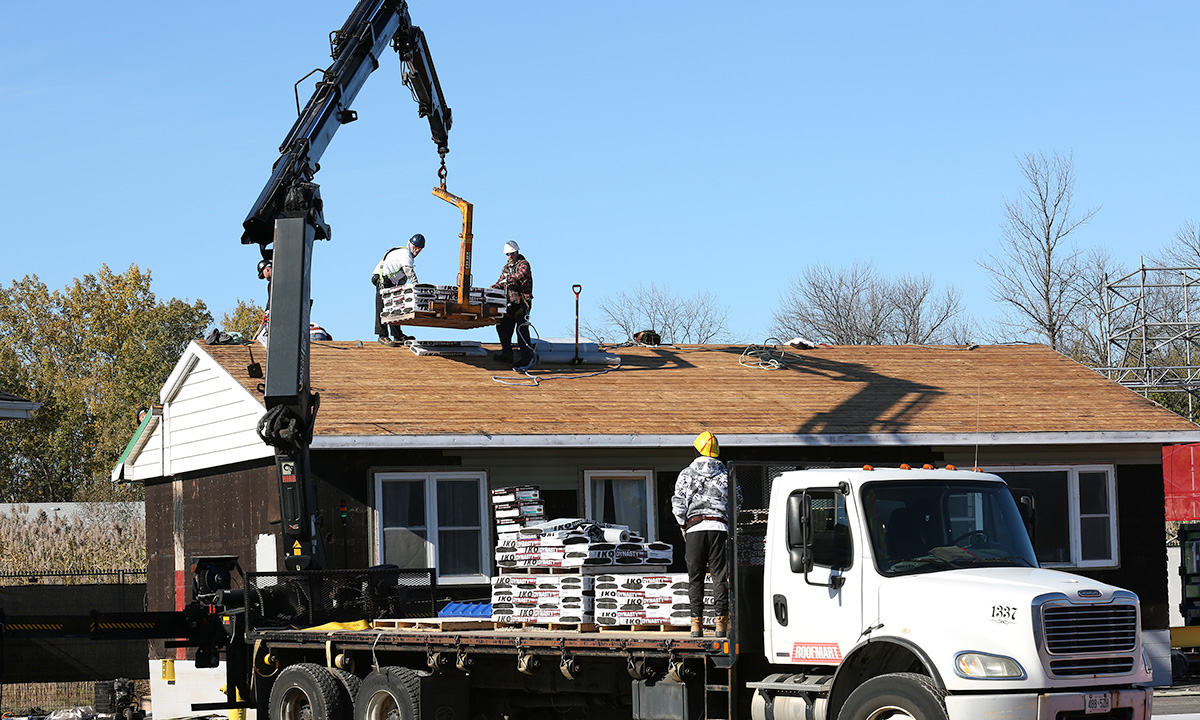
(1094, 542)
(620, 500)
(404, 504)
(459, 553)
(1093, 493)
(405, 548)
(1052, 523)
(458, 503)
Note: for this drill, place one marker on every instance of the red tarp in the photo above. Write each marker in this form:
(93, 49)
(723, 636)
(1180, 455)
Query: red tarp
(1181, 481)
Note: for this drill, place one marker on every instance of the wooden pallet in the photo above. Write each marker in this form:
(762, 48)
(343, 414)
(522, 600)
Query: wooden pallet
(550, 627)
(588, 570)
(432, 624)
(647, 628)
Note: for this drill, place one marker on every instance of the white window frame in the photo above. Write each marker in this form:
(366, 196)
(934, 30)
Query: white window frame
(1114, 544)
(431, 479)
(647, 477)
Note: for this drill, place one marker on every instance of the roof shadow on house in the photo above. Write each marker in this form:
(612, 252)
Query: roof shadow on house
(881, 404)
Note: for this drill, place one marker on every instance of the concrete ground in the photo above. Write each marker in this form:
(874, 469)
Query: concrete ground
(1178, 702)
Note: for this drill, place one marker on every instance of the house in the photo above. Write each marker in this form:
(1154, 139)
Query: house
(411, 445)
(12, 406)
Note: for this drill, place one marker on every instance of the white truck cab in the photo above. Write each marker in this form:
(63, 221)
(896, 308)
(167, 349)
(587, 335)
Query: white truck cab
(916, 593)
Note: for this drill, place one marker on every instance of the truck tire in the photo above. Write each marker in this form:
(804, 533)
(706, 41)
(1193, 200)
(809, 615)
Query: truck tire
(898, 696)
(348, 686)
(390, 693)
(306, 691)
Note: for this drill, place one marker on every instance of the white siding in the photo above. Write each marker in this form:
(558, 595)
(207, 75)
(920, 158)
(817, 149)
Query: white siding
(148, 463)
(209, 420)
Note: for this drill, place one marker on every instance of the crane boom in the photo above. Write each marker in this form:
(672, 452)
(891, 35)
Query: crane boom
(288, 217)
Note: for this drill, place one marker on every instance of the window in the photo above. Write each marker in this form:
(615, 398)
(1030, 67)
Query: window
(1074, 512)
(623, 497)
(434, 520)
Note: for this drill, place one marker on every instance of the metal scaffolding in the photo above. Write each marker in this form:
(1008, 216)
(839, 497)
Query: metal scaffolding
(1153, 338)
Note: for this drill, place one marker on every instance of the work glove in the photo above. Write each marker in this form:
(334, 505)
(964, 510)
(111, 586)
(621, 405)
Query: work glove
(375, 279)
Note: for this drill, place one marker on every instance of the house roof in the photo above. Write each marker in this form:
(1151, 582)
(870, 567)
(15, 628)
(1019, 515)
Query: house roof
(12, 406)
(373, 396)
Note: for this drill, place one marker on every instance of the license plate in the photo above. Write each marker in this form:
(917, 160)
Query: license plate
(1097, 702)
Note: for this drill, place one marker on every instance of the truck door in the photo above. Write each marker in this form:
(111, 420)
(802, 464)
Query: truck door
(814, 585)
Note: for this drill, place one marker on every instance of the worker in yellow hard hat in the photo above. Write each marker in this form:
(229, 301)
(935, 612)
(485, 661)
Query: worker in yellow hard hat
(701, 507)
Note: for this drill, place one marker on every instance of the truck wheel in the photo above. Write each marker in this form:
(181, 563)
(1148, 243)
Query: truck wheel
(306, 692)
(391, 693)
(899, 696)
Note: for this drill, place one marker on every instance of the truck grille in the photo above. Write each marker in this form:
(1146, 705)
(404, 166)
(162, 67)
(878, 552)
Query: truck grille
(1092, 666)
(1071, 629)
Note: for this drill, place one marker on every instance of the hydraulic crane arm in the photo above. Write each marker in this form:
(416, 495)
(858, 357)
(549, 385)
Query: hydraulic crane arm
(356, 49)
(288, 217)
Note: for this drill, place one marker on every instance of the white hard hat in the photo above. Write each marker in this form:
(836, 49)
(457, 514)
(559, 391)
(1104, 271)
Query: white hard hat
(511, 247)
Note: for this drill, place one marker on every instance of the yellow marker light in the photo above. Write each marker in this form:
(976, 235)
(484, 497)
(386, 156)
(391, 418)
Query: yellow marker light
(981, 666)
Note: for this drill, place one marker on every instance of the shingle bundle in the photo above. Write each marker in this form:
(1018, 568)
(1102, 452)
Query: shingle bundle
(515, 508)
(566, 599)
(648, 599)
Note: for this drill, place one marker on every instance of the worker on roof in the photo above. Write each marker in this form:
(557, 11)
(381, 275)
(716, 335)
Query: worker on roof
(516, 278)
(264, 273)
(395, 270)
(701, 507)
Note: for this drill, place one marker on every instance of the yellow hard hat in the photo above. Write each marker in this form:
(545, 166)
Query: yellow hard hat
(706, 444)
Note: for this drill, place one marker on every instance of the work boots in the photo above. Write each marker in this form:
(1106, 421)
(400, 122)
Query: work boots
(697, 627)
(722, 625)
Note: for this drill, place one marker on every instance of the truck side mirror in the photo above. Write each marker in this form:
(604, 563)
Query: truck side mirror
(1027, 506)
(797, 525)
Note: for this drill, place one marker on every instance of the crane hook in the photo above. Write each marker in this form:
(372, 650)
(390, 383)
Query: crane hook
(442, 170)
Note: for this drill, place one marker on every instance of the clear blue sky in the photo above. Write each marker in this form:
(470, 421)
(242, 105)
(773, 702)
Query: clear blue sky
(690, 144)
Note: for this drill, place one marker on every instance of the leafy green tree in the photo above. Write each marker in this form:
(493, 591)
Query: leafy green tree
(91, 354)
(244, 318)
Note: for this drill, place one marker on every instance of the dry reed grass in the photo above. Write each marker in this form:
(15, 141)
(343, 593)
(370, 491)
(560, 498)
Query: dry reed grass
(99, 537)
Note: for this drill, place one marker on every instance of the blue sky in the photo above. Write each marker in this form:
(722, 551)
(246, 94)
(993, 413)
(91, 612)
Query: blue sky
(696, 145)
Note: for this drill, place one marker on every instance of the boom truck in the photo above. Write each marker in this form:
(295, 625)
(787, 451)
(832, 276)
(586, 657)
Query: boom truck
(856, 594)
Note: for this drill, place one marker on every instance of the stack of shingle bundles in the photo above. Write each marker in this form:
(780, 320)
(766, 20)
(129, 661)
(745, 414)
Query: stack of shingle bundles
(643, 599)
(515, 508)
(407, 299)
(626, 553)
(566, 599)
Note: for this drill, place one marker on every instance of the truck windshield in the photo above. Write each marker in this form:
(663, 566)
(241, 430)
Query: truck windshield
(921, 527)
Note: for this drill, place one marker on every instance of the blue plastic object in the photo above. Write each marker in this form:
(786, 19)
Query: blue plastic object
(466, 610)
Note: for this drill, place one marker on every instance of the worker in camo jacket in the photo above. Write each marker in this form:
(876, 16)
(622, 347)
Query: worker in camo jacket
(701, 507)
(516, 279)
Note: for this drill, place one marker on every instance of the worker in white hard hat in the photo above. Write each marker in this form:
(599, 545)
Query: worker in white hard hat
(394, 270)
(701, 507)
(516, 278)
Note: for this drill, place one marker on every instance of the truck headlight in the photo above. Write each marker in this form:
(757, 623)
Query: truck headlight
(981, 666)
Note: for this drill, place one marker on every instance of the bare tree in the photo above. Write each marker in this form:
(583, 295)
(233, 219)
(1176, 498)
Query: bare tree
(843, 306)
(1183, 250)
(853, 306)
(699, 318)
(1036, 274)
(1084, 334)
(921, 314)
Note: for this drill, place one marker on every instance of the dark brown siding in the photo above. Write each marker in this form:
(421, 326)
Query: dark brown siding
(1141, 515)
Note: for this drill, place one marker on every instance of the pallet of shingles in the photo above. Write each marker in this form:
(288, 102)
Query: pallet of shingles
(650, 599)
(557, 599)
